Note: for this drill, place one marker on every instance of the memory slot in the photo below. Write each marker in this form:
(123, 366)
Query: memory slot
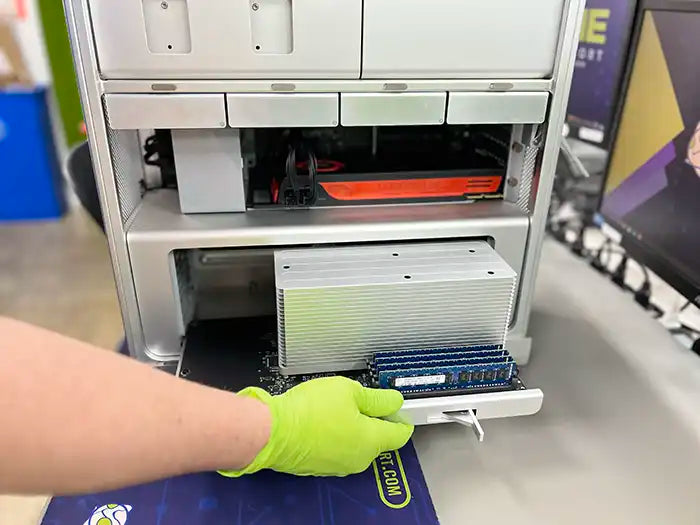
(439, 363)
(400, 353)
(433, 390)
(428, 356)
(455, 376)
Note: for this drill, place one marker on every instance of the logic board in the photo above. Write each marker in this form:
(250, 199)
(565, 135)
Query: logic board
(233, 354)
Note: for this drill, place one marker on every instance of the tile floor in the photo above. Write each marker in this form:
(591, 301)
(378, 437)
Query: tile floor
(56, 275)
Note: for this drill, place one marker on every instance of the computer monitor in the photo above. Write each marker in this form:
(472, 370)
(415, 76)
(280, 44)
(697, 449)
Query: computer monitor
(600, 64)
(651, 196)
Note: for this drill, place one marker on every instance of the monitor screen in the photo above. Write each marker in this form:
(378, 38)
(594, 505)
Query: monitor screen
(600, 63)
(652, 191)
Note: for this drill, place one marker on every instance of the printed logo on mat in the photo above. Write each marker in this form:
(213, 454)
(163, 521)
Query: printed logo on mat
(391, 480)
(111, 514)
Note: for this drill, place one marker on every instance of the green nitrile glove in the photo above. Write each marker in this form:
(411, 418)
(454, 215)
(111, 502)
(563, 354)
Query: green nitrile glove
(327, 427)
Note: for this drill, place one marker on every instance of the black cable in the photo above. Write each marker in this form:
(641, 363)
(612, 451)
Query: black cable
(619, 273)
(151, 149)
(313, 172)
(600, 257)
(643, 295)
(602, 247)
(158, 152)
(301, 193)
(691, 329)
(645, 271)
(597, 261)
(696, 346)
(608, 249)
(578, 246)
(685, 329)
(290, 169)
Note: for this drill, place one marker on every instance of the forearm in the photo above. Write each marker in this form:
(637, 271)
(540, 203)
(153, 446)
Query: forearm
(74, 418)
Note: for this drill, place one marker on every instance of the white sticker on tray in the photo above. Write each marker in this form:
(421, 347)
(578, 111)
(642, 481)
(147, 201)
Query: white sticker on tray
(420, 380)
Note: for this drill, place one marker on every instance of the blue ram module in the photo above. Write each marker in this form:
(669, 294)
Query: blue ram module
(456, 349)
(438, 363)
(453, 369)
(447, 378)
(429, 356)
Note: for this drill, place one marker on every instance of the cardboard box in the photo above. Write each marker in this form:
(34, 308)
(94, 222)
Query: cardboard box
(13, 68)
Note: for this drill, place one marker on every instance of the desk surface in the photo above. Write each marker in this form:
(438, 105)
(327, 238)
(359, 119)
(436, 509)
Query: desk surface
(618, 438)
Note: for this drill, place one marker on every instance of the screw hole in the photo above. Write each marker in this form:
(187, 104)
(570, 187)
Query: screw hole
(406, 276)
(257, 48)
(490, 273)
(395, 254)
(170, 46)
(472, 251)
(286, 267)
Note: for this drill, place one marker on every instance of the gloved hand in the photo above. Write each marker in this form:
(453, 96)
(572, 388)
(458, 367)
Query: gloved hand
(327, 427)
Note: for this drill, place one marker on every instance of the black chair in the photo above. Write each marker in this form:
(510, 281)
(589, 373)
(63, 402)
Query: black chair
(82, 177)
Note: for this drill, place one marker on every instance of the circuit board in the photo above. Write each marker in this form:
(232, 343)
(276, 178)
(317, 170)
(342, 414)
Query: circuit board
(233, 354)
(271, 380)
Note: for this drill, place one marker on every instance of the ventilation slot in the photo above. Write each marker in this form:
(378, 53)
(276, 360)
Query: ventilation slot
(125, 152)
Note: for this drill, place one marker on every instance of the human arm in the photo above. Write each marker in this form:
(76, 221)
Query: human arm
(74, 418)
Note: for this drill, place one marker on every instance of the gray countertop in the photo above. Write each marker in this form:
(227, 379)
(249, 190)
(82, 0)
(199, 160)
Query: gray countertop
(618, 437)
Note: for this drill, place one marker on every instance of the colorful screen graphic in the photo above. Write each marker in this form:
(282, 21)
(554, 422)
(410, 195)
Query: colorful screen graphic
(653, 188)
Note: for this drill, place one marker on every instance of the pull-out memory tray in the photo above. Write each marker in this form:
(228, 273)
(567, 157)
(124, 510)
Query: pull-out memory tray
(232, 354)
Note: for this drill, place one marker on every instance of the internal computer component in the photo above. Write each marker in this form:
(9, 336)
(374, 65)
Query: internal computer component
(339, 166)
(338, 307)
(232, 354)
(444, 369)
(370, 165)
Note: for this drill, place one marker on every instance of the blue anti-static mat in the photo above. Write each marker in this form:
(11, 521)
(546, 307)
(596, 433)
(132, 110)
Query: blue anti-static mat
(392, 491)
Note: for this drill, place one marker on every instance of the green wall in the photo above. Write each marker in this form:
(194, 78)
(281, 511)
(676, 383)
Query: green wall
(64, 82)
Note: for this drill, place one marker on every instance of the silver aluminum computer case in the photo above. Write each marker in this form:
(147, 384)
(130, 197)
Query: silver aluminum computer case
(145, 228)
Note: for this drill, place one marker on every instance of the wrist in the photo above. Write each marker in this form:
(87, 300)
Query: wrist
(255, 420)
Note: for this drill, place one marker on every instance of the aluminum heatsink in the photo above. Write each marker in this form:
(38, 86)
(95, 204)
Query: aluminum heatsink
(337, 306)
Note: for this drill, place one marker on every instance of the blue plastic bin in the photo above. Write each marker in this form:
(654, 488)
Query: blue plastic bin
(31, 186)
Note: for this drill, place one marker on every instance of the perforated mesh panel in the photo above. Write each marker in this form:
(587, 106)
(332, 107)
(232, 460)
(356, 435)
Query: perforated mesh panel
(526, 177)
(184, 285)
(125, 152)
